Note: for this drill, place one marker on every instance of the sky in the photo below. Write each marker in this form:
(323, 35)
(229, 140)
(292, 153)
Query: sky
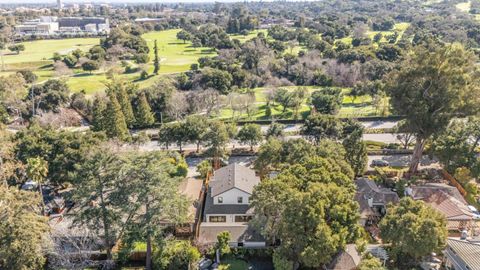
(114, 1)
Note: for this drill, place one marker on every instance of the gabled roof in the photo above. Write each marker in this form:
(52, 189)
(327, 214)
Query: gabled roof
(367, 188)
(424, 191)
(233, 176)
(346, 260)
(467, 251)
(452, 208)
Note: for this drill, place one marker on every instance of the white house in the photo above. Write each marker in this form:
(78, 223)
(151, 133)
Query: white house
(227, 207)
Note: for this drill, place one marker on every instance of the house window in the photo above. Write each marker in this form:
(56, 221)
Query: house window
(242, 219)
(217, 219)
(220, 199)
(240, 199)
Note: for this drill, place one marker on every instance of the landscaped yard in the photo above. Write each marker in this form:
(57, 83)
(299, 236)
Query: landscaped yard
(235, 264)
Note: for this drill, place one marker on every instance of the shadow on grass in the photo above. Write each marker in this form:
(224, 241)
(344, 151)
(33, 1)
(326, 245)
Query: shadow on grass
(176, 43)
(80, 75)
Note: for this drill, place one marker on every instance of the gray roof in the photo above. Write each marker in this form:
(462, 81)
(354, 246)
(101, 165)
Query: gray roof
(467, 251)
(233, 176)
(347, 259)
(367, 188)
(238, 233)
(228, 209)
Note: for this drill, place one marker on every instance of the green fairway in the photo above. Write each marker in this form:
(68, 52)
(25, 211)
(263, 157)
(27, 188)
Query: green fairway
(252, 34)
(175, 55)
(358, 107)
(40, 52)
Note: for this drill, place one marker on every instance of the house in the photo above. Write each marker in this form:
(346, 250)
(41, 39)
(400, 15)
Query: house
(227, 207)
(372, 200)
(192, 189)
(348, 259)
(462, 255)
(448, 201)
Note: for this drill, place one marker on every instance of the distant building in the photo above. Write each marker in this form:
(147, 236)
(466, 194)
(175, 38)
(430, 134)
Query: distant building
(59, 4)
(44, 26)
(51, 26)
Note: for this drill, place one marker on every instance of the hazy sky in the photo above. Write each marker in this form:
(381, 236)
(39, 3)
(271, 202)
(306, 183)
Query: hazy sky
(114, 1)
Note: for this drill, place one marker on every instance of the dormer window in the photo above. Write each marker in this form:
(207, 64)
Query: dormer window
(220, 200)
(240, 199)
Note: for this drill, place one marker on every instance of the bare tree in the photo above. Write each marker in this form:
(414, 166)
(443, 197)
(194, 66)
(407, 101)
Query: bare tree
(177, 106)
(72, 247)
(61, 69)
(207, 101)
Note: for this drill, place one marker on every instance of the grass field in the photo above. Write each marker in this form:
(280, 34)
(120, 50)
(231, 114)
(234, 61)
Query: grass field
(361, 106)
(176, 56)
(399, 27)
(465, 6)
(40, 52)
(252, 34)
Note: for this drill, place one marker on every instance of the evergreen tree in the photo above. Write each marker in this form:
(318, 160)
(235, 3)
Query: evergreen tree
(115, 124)
(119, 88)
(99, 111)
(356, 150)
(143, 113)
(156, 61)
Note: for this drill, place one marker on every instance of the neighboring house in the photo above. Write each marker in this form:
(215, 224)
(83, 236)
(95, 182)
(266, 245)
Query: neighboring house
(227, 207)
(372, 200)
(192, 189)
(448, 201)
(348, 259)
(462, 255)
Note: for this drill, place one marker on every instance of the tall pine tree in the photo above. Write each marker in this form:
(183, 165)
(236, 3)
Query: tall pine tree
(119, 88)
(115, 124)
(99, 111)
(156, 61)
(143, 112)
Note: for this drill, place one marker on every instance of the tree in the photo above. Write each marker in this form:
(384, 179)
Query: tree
(369, 262)
(99, 116)
(310, 208)
(143, 113)
(456, 146)
(156, 60)
(405, 227)
(165, 135)
(320, 126)
(37, 170)
(432, 87)
(250, 134)
(356, 151)
(275, 130)
(17, 48)
(223, 241)
(97, 207)
(152, 180)
(121, 91)
(23, 230)
(176, 254)
(50, 95)
(327, 101)
(183, 35)
(197, 126)
(90, 66)
(28, 75)
(204, 168)
(115, 124)
(282, 96)
(216, 139)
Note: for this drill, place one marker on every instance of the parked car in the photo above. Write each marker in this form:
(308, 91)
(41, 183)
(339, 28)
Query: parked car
(379, 163)
(204, 263)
